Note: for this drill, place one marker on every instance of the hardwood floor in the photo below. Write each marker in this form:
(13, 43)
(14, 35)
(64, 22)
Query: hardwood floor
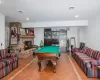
(64, 70)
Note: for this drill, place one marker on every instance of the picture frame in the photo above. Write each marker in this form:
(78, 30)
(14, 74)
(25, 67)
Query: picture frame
(13, 35)
(27, 31)
(31, 32)
(22, 31)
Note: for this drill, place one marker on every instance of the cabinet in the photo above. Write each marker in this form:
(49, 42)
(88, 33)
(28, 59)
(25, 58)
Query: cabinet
(51, 37)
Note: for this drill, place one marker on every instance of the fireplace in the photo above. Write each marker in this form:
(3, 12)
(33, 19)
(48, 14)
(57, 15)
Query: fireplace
(27, 45)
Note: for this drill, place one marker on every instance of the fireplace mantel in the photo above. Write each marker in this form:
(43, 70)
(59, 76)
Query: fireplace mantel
(25, 36)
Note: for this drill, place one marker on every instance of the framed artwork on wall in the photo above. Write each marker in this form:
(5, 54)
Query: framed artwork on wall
(13, 35)
(22, 31)
(31, 32)
(27, 31)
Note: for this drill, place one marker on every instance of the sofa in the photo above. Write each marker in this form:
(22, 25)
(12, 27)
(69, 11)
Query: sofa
(8, 62)
(88, 60)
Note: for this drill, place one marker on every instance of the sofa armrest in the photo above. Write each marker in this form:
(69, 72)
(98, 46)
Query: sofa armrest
(8, 54)
(11, 55)
(2, 64)
(75, 50)
(95, 62)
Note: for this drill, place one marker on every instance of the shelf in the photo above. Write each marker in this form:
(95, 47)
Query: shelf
(25, 36)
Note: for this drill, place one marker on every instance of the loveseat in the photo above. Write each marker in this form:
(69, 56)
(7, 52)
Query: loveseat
(88, 60)
(8, 62)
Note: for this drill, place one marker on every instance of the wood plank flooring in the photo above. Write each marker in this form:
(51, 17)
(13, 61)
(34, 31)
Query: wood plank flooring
(64, 70)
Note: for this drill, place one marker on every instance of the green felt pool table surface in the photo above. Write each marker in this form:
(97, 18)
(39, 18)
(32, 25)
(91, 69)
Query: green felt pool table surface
(49, 49)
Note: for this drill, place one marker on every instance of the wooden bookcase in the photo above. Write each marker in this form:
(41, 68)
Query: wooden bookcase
(51, 37)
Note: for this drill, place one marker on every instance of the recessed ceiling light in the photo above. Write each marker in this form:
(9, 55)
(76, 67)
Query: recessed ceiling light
(1, 1)
(20, 11)
(27, 19)
(76, 16)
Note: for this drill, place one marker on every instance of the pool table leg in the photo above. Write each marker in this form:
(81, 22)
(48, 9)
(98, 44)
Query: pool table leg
(54, 65)
(34, 55)
(59, 54)
(39, 64)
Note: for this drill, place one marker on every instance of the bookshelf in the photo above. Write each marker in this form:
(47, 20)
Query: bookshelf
(51, 37)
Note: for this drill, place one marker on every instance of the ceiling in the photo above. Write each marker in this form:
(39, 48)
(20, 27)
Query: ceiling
(48, 10)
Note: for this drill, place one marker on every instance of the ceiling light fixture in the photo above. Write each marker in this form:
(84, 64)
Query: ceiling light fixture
(27, 19)
(71, 8)
(76, 16)
(20, 11)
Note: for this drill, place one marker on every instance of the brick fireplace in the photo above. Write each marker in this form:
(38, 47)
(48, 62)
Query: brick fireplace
(25, 40)
(24, 47)
(26, 43)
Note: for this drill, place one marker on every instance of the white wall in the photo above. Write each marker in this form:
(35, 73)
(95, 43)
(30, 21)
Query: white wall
(91, 34)
(7, 31)
(82, 34)
(2, 31)
(56, 24)
(73, 33)
(39, 35)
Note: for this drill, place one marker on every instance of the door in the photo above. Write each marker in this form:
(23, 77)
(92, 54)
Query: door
(62, 40)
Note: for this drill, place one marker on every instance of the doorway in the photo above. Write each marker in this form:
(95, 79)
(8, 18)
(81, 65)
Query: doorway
(63, 40)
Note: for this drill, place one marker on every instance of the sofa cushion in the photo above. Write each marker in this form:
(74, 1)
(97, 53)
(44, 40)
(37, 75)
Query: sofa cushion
(75, 50)
(92, 52)
(86, 60)
(8, 61)
(78, 53)
(2, 64)
(84, 56)
(84, 50)
(8, 55)
(15, 59)
(96, 55)
(88, 51)
(3, 53)
(95, 62)
(13, 55)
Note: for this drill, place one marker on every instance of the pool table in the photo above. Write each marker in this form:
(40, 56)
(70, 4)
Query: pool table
(50, 53)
